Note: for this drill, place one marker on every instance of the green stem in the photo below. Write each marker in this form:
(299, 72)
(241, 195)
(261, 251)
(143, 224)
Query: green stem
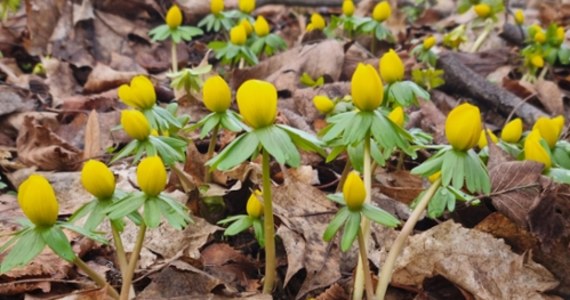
(101, 282)
(174, 57)
(400, 164)
(270, 263)
(365, 226)
(343, 175)
(121, 257)
(482, 38)
(364, 259)
(388, 267)
(210, 154)
(129, 273)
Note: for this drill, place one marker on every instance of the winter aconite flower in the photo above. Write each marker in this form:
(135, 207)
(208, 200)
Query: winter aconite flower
(216, 94)
(139, 94)
(549, 129)
(135, 124)
(382, 11)
(318, 22)
(151, 175)
(519, 17)
(174, 17)
(483, 138)
(261, 26)
(429, 42)
(512, 131)
(257, 103)
(323, 104)
(246, 6)
(537, 61)
(353, 191)
(248, 28)
(534, 151)
(560, 35)
(366, 88)
(348, 8)
(216, 6)
(254, 206)
(463, 127)
(37, 200)
(98, 179)
(397, 116)
(238, 35)
(482, 10)
(391, 67)
(540, 37)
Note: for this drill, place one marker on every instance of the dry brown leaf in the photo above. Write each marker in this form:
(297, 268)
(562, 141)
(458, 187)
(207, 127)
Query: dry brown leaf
(103, 78)
(229, 265)
(60, 80)
(335, 292)
(474, 261)
(92, 146)
(550, 96)
(523, 89)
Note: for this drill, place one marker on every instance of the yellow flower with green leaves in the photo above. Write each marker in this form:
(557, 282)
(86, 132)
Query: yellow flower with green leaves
(540, 36)
(37, 200)
(429, 42)
(366, 88)
(549, 129)
(257, 103)
(482, 143)
(98, 179)
(482, 10)
(174, 17)
(238, 35)
(397, 116)
(348, 8)
(391, 67)
(323, 104)
(216, 6)
(135, 124)
(216, 94)
(382, 11)
(512, 131)
(519, 17)
(151, 175)
(254, 206)
(534, 151)
(354, 191)
(261, 26)
(463, 127)
(246, 6)
(139, 94)
(318, 22)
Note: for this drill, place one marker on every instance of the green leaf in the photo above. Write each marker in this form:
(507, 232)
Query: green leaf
(561, 155)
(379, 215)
(303, 140)
(168, 154)
(238, 226)
(235, 153)
(97, 215)
(258, 45)
(564, 55)
(338, 198)
(358, 127)
(126, 205)
(126, 151)
(430, 166)
(559, 175)
(160, 33)
(356, 156)
(27, 247)
(166, 117)
(459, 171)
(276, 141)
(335, 224)
(437, 203)
(57, 241)
(482, 175)
(450, 161)
(335, 152)
(350, 232)
(151, 214)
(389, 135)
(173, 218)
(259, 232)
(230, 219)
(96, 236)
(83, 210)
(176, 208)
(230, 122)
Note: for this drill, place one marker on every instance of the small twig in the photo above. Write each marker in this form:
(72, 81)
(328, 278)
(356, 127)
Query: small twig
(517, 107)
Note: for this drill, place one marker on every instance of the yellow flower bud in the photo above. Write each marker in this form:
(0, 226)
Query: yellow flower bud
(540, 37)
(435, 176)
(154, 132)
(246, 6)
(391, 67)
(139, 94)
(216, 6)
(348, 8)
(560, 35)
(483, 138)
(216, 94)
(382, 11)
(37, 200)
(482, 10)
(463, 127)
(135, 124)
(549, 129)
(429, 42)
(559, 121)
(238, 35)
(323, 104)
(366, 88)
(98, 179)
(318, 21)
(310, 27)
(254, 206)
(512, 131)
(519, 17)
(248, 28)
(354, 191)
(397, 116)
(261, 26)
(534, 151)
(174, 17)
(151, 175)
(257, 103)
(537, 61)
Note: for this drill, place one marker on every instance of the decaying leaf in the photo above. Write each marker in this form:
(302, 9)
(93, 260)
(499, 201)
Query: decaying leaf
(550, 96)
(92, 144)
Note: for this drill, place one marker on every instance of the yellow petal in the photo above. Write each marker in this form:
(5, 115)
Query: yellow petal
(217, 94)
(382, 11)
(354, 191)
(391, 67)
(98, 179)
(559, 122)
(151, 175)
(318, 21)
(261, 26)
(519, 17)
(216, 6)
(348, 8)
(37, 200)
(540, 37)
(257, 103)
(238, 35)
(463, 127)
(549, 129)
(246, 6)
(534, 151)
(174, 17)
(143, 90)
(483, 138)
(560, 35)
(512, 131)
(248, 28)
(254, 205)
(366, 88)
(135, 124)
(128, 97)
(323, 104)
(429, 42)
(397, 116)
(537, 61)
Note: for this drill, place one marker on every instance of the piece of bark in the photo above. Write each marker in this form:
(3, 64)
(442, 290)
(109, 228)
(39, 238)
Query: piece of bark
(461, 79)
(513, 34)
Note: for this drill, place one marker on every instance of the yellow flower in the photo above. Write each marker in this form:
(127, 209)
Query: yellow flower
(537, 61)
(512, 131)
(463, 127)
(216, 94)
(37, 200)
(397, 116)
(483, 138)
(391, 67)
(248, 28)
(257, 103)
(482, 10)
(382, 11)
(519, 17)
(323, 104)
(429, 42)
(560, 35)
(261, 26)
(435, 176)
(366, 88)
(174, 17)
(254, 206)
(318, 21)
(98, 179)
(348, 8)
(354, 191)
(534, 151)
(246, 6)
(135, 124)
(309, 27)
(238, 35)
(216, 6)
(540, 37)
(549, 129)
(139, 94)
(559, 121)
(151, 175)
